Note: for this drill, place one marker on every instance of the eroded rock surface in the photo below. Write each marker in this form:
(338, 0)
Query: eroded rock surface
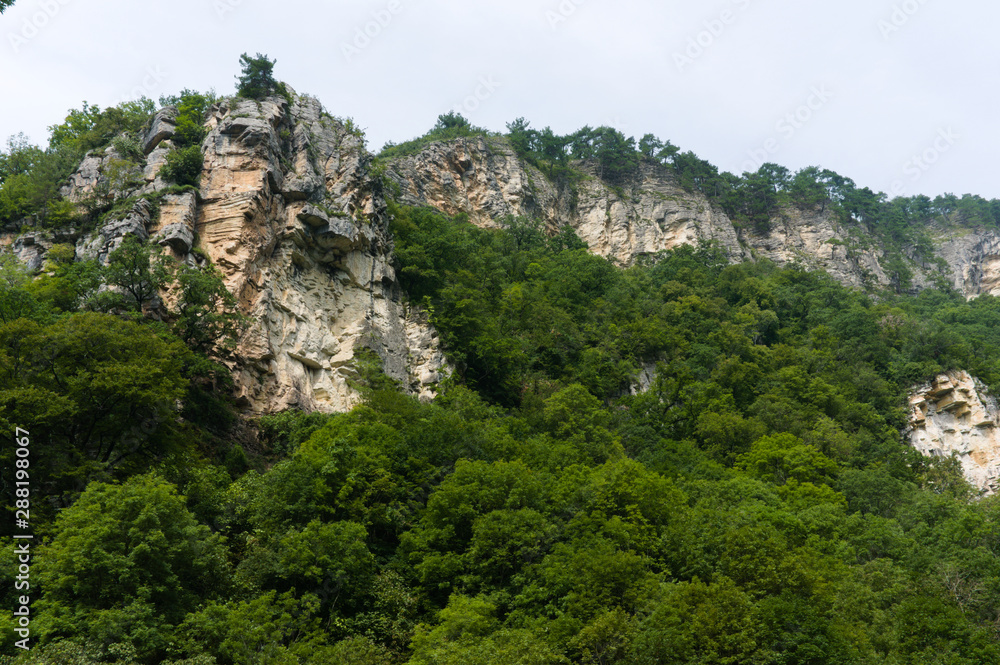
(485, 179)
(955, 414)
(290, 212)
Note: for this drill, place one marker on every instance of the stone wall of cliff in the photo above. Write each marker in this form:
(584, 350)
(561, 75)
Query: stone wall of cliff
(484, 178)
(954, 414)
(290, 211)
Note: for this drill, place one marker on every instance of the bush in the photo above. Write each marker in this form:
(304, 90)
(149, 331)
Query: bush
(192, 107)
(183, 166)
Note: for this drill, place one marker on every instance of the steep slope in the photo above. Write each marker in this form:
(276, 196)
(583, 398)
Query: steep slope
(291, 213)
(485, 179)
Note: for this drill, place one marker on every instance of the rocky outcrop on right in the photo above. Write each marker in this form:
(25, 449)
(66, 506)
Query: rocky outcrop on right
(972, 255)
(955, 414)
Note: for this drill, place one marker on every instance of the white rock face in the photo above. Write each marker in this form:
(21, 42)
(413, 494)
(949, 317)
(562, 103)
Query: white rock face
(955, 414)
(290, 212)
(814, 239)
(484, 178)
(973, 254)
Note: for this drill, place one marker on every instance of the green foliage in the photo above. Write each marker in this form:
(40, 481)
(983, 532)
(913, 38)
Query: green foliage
(330, 561)
(371, 378)
(749, 500)
(784, 458)
(16, 301)
(283, 432)
(617, 157)
(449, 126)
(696, 622)
(30, 179)
(257, 78)
(127, 563)
(138, 269)
(183, 166)
(95, 391)
(205, 315)
(68, 285)
(469, 633)
(128, 147)
(90, 128)
(72, 652)
(192, 107)
(512, 306)
(19, 158)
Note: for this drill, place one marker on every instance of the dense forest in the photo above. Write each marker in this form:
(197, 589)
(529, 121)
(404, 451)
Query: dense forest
(752, 502)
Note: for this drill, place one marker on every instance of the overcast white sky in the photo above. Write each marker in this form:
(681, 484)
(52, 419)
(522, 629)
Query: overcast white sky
(899, 95)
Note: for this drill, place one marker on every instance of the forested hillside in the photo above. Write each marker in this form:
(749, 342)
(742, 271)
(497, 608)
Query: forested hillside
(684, 460)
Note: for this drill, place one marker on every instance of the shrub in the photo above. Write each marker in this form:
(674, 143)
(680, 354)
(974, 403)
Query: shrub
(183, 166)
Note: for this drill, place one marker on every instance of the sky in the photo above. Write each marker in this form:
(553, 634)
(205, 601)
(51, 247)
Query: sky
(900, 95)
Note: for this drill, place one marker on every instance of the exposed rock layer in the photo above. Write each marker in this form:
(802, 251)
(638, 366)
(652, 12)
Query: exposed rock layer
(290, 212)
(484, 178)
(955, 414)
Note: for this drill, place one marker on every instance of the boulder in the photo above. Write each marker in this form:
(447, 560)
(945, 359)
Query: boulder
(163, 127)
(178, 237)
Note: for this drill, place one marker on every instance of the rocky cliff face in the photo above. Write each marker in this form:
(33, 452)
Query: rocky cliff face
(291, 213)
(955, 414)
(485, 179)
(973, 256)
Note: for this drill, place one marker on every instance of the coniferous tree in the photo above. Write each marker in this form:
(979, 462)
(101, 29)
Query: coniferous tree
(257, 80)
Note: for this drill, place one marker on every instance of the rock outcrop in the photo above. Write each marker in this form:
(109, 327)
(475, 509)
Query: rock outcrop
(816, 240)
(954, 414)
(485, 179)
(291, 213)
(973, 258)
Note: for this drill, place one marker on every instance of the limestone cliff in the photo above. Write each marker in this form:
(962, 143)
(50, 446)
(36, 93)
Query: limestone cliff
(485, 179)
(973, 257)
(955, 414)
(290, 211)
